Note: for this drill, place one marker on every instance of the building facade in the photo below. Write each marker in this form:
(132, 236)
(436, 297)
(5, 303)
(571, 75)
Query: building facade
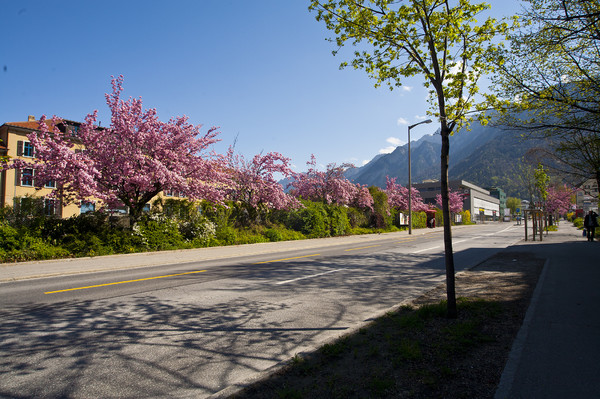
(17, 186)
(587, 196)
(497, 192)
(478, 201)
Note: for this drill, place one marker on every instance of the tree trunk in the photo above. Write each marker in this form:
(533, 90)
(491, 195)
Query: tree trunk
(449, 254)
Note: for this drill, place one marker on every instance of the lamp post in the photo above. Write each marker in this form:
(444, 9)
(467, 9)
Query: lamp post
(409, 177)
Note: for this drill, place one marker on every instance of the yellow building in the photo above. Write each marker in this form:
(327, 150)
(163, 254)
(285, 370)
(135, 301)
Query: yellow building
(17, 185)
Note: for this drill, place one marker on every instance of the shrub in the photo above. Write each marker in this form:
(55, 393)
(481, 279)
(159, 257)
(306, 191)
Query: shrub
(250, 235)
(9, 237)
(419, 220)
(357, 218)
(199, 229)
(380, 217)
(312, 220)
(31, 248)
(274, 235)
(225, 235)
(466, 217)
(159, 233)
(338, 220)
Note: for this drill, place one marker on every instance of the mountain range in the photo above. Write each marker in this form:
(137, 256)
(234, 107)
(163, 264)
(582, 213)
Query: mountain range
(488, 156)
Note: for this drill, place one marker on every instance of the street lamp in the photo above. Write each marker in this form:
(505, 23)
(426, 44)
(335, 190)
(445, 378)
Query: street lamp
(409, 177)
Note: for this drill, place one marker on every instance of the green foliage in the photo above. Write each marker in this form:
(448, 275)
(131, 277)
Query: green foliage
(552, 68)
(226, 235)
(357, 218)
(466, 217)
(198, 230)
(443, 44)
(338, 221)
(578, 222)
(19, 245)
(381, 217)
(175, 224)
(513, 203)
(541, 182)
(280, 233)
(309, 220)
(9, 237)
(419, 220)
(159, 233)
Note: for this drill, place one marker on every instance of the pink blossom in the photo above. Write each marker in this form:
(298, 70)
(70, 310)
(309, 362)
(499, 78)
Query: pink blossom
(330, 186)
(455, 201)
(364, 199)
(131, 161)
(398, 196)
(254, 184)
(559, 199)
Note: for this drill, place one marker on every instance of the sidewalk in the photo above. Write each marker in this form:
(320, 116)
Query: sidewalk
(557, 351)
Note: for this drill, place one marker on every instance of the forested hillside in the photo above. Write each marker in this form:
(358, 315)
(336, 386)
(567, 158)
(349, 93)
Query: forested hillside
(485, 155)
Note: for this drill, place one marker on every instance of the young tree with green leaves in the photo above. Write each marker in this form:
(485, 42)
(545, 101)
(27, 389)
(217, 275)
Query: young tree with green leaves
(513, 204)
(550, 83)
(541, 182)
(440, 41)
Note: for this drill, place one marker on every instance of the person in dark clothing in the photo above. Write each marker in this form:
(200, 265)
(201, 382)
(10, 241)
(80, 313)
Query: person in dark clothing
(590, 222)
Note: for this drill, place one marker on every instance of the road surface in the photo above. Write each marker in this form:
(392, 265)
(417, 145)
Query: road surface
(191, 323)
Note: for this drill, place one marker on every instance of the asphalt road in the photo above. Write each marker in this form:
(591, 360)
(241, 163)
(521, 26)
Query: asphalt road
(191, 323)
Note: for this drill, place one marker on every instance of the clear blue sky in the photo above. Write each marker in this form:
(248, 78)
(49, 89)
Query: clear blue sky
(261, 70)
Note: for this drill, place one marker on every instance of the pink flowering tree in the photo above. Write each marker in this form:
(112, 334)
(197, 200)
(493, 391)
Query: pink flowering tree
(364, 199)
(330, 186)
(131, 161)
(398, 196)
(559, 199)
(253, 182)
(455, 201)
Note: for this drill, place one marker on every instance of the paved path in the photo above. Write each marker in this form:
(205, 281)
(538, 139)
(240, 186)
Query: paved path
(557, 351)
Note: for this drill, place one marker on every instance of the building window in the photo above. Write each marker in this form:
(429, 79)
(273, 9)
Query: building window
(87, 207)
(50, 207)
(27, 149)
(27, 177)
(50, 184)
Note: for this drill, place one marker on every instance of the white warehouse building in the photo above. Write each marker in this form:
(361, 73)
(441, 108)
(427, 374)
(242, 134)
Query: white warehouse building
(477, 200)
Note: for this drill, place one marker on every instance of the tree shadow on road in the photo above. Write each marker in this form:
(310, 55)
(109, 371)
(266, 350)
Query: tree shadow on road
(148, 345)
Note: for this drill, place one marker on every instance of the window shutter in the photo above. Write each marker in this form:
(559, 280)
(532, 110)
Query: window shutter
(19, 148)
(17, 177)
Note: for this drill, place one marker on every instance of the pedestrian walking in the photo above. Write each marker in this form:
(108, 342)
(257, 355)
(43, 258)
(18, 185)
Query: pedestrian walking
(590, 222)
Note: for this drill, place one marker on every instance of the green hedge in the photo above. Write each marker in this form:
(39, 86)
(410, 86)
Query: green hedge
(173, 224)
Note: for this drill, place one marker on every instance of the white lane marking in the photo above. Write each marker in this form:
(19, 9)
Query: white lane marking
(426, 249)
(311, 276)
(498, 232)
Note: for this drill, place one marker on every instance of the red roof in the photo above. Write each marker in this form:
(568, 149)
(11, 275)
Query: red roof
(33, 125)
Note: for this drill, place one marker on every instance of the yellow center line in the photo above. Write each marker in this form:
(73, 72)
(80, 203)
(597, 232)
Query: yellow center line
(354, 249)
(280, 260)
(122, 282)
